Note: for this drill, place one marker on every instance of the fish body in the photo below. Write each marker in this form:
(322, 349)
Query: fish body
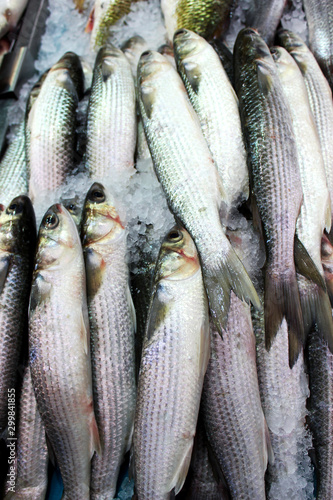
(112, 325)
(51, 124)
(320, 97)
(216, 104)
(204, 17)
(17, 242)
(174, 360)
(231, 407)
(319, 16)
(275, 178)
(59, 350)
(10, 14)
(264, 16)
(111, 121)
(189, 178)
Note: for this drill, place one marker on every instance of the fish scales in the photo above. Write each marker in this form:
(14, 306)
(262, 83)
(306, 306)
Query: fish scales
(234, 420)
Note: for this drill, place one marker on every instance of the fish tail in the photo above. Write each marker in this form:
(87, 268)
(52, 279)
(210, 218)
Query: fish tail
(229, 274)
(282, 300)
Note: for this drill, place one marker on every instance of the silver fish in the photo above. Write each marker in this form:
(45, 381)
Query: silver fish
(174, 360)
(188, 176)
(264, 16)
(112, 336)
(59, 350)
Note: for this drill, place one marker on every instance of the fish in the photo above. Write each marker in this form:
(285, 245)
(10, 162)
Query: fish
(315, 214)
(32, 455)
(207, 18)
(10, 14)
(320, 366)
(226, 57)
(51, 124)
(234, 420)
(327, 263)
(216, 104)
(190, 181)
(174, 360)
(320, 98)
(112, 330)
(276, 182)
(59, 327)
(17, 243)
(264, 16)
(111, 119)
(319, 16)
(167, 51)
(104, 14)
(13, 169)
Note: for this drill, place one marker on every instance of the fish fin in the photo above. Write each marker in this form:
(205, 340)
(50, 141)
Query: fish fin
(328, 215)
(282, 301)
(264, 78)
(256, 219)
(90, 23)
(317, 310)
(5, 265)
(305, 265)
(85, 329)
(230, 275)
(217, 470)
(270, 453)
(204, 345)
(50, 451)
(156, 313)
(178, 480)
(95, 271)
(40, 292)
(327, 263)
(95, 443)
(146, 101)
(131, 466)
(131, 307)
(193, 74)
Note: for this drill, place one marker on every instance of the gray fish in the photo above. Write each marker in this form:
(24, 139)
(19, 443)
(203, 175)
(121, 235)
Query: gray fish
(188, 176)
(59, 350)
(264, 16)
(51, 124)
(319, 16)
(276, 181)
(174, 360)
(17, 243)
(112, 326)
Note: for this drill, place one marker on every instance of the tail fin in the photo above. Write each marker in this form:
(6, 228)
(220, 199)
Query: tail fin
(316, 309)
(230, 275)
(282, 301)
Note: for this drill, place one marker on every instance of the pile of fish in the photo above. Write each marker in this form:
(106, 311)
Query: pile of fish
(187, 359)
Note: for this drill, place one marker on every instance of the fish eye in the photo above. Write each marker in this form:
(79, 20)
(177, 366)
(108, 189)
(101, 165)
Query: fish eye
(174, 236)
(97, 196)
(51, 221)
(71, 207)
(15, 208)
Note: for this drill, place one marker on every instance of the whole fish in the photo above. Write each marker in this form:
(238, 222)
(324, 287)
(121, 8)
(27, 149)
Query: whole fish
(111, 121)
(231, 407)
(17, 243)
(51, 124)
(112, 336)
(320, 361)
(10, 14)
(32, 454)
(174, 360)
(315, 214)
(216, 104)
(264, 16)
(205, 17)
(104, 14)
(275, 179)
(320, 97)
(13, 169)
(59, 350)
(188, 176)
(319, 16)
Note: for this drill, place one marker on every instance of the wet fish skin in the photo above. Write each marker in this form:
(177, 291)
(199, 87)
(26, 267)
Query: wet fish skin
(264, 16)
(111, 121)
(32, 453)
(225, 56)
(319, 16)
(216, 104)
(320, 97)
(231, 407)
(17, 243)
(51, 124)
(189, 179)
(174, 360)
(59, 326)
(275, 177)
(10, 13)
(112, 336)
(205, 17)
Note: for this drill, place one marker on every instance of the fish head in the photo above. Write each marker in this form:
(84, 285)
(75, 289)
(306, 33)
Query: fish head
(68, 71)
(178, 258)
(108, 60)
(285, 64)
(58, 239)
(100, 221)
(295, 46)
(133, 49)
(34, 93)
(17, 225)
(187, 43)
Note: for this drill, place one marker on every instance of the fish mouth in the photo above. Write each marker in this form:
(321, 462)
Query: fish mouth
(150, 63)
